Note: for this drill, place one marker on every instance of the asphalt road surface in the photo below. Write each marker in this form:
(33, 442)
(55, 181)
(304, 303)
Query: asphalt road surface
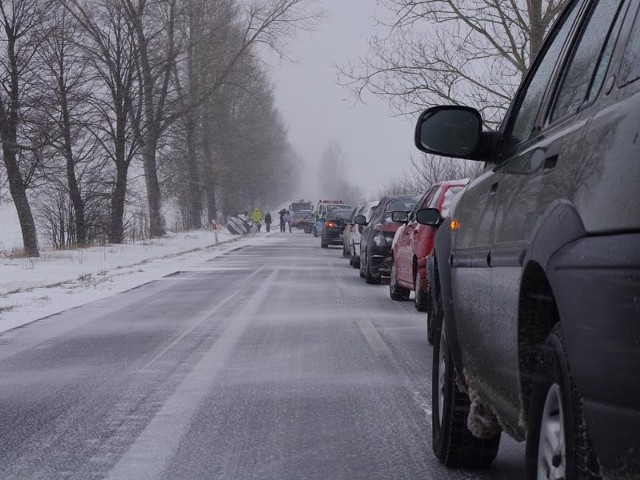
(273, 361)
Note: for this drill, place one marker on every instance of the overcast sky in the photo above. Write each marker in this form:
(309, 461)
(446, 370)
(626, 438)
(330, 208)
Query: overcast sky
(377, 144)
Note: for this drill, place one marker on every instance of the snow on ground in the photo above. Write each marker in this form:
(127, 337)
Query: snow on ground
(32, 288)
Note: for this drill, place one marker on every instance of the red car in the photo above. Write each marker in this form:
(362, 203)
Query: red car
(414, 242)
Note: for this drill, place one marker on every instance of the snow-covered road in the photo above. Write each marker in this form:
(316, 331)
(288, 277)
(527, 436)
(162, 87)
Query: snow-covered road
(266, 359)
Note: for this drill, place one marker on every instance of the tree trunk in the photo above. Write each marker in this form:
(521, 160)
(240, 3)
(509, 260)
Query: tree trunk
(193, 178)
(116, 230)
(156, 221)
(538, 28)
(208, 166)
(20, 200)
(9, 120)
(72, 181)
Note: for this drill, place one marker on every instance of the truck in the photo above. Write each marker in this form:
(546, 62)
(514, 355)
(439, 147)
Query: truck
(299, 206)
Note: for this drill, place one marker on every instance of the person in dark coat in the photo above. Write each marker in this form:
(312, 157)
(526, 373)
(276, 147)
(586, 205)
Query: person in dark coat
(281, 213)
(267, 221)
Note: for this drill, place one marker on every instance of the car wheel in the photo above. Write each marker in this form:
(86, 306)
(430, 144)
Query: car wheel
(354, 263)
(421, 297)
(453, 443)
(558, 443)
(433, 311)
(315, 232)
(368, 276)
(361, 266)
(323, 244)
(396, 292)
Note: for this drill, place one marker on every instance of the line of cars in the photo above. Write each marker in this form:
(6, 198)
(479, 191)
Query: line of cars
(532, 283)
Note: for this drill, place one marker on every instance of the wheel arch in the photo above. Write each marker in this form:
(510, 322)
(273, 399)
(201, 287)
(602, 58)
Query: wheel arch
(537, 315)
(538, 312)
(442, 289)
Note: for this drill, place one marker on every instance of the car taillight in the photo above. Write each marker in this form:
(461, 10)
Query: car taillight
(330, 224)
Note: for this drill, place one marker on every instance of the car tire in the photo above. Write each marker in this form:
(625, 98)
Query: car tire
(421, 297)
(396, 292)
(314, 231)
(361, 266)
(556, 411)
(355, 261)
(324, 244)
(453, 443)
(369, 277)
(433, 311)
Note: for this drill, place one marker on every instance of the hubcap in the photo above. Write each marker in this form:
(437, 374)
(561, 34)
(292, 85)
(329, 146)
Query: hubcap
(551, 448)
(442, 365)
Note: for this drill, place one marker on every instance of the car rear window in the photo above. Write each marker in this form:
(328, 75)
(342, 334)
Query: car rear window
(401, 205)
(339, 214)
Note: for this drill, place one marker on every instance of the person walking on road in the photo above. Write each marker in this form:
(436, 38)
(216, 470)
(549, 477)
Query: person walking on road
(256, 217)
(267, 221)
(287, 220)
(281, 213)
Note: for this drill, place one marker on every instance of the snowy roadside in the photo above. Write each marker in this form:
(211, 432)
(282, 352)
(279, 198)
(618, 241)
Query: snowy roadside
(32, 288)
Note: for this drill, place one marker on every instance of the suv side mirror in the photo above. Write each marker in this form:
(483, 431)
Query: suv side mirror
(452, 131)
(429, 216)
(360, 220)
(400, 217)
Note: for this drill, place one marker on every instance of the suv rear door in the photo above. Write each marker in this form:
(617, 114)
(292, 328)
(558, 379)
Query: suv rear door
(539, 159)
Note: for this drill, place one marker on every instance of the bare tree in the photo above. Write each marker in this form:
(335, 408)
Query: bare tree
(429, 169)
(63, 102)
(18, 22)
(247, 171)
(332, 174)
(109, 42)
(154, 25)
(222, 39)
(452, 51)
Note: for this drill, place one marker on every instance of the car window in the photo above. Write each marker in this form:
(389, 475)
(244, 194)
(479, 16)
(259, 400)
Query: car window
(530, 99)
(590, 55)
(404, 205)
(605, 57)
(339, 215)
(448, 200)
(427, 198)
(630, 71)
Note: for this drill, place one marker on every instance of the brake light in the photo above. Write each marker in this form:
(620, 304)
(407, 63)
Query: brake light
(330, 224)
(455, 225)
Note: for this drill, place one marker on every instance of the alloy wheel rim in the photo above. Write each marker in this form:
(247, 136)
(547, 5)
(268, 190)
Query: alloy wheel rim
(442, 365)
(552, 444)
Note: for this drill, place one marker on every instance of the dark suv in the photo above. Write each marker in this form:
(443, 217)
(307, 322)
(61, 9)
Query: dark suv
(538, 267)
(334, 227)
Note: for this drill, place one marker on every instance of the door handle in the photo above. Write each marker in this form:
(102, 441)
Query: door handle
(494, 189)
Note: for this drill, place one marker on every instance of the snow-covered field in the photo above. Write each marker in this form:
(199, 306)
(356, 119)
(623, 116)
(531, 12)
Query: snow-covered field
(32, 288)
